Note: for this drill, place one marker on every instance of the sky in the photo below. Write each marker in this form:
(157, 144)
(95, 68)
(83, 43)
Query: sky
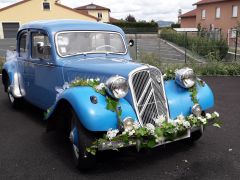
(141, 9)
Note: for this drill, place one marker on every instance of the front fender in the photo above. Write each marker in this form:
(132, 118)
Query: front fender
(94, 117)
(179, 99)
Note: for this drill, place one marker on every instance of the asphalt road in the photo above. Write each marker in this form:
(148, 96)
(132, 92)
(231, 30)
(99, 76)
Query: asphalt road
(28, 152)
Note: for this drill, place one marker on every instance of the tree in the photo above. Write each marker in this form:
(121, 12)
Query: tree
(130, 18)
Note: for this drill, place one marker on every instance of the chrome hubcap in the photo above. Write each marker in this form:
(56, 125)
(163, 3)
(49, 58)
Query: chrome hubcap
(75, 148)
(10, 95)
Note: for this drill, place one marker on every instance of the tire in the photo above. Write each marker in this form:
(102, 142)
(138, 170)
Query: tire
(196, 135)
(83, 160)
(16, 103)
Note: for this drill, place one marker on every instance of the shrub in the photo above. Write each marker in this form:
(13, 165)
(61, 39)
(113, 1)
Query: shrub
(201, 45)
(1, 63)
(135, 27)
(211, 68)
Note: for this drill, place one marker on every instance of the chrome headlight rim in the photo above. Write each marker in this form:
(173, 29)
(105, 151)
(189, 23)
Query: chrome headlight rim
(197, 110)
(114, 89)
(185, 77)
(128, 123)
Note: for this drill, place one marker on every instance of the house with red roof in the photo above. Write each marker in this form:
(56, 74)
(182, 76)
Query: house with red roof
(214, 15)
(100, 12)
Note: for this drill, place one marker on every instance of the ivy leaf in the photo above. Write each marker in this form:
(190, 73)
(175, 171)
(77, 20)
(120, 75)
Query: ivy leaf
(141, 132)
(158, 132)
(111, 104)
(151, 143)
(217, 124)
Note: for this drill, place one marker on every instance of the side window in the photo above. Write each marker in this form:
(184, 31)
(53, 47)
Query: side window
(41, 48)
(23, 45)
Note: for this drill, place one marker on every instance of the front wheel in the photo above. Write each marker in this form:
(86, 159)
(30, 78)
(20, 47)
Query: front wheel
(80, 139)
(196, 135)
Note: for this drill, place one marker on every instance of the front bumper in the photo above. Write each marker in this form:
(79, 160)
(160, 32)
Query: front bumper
(113, 145)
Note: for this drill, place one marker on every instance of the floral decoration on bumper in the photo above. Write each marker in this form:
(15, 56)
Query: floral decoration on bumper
(151, 135)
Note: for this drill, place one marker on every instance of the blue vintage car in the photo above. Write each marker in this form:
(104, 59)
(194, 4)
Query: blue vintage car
(50, 55)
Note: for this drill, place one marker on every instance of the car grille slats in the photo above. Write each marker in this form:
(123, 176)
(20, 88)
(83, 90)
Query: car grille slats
(148, 94)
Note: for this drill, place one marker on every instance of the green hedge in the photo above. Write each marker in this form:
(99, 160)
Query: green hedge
(201, 45)
(137, 27)
(211, 69)
(1, 63)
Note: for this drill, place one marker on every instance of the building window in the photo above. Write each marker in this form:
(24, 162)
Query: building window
(235, 11)
(218, 12)
(99, 15)
(46, 6)
(233, 33)
(203, 14)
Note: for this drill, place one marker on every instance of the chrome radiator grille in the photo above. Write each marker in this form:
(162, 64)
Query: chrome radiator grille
(148, 94)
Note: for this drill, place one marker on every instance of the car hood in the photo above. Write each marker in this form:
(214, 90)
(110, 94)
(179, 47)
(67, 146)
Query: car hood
(102, 68)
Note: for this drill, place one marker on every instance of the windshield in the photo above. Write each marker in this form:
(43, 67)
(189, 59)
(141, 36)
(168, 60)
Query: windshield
(81, 42)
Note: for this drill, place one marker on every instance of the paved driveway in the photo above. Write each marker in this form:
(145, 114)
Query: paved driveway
(6, 44)
(28, 152)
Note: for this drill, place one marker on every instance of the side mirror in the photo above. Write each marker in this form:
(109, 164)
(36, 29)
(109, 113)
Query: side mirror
(131, 43)
(40, 46)
(44, 51)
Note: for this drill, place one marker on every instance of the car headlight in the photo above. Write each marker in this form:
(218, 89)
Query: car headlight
(185, 77)
(117, 87)
(197, 110)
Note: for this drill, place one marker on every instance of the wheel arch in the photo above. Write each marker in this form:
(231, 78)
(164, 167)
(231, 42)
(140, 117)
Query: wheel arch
(62, 108)
(5, 79)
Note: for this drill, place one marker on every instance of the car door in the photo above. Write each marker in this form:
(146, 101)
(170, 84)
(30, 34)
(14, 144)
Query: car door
(22, 56)
(44, 75)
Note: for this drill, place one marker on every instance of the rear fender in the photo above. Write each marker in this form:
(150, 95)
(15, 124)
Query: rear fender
(15, 78)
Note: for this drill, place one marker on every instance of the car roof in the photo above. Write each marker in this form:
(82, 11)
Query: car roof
(71, 25)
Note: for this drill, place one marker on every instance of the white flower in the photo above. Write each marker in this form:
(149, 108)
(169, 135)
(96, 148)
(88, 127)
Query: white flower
(91, 80)
(150, 128)
(216, 114)
(178, 122)
(112, 133)
(131, 132)
(186, 124)
(181, 117)
(203, 120)
(66, 85)
(100, 87)
(208, 116)
(173, 122)
(159, 139)
(191, 116)
(136, 125)
(159, 120)
(98, 79)
(124, 132)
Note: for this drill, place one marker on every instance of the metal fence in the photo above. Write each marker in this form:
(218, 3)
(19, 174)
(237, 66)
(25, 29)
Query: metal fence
(168, 52)
(234, 43)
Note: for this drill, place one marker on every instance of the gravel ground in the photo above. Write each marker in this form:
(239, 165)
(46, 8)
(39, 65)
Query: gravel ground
(28, 152)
